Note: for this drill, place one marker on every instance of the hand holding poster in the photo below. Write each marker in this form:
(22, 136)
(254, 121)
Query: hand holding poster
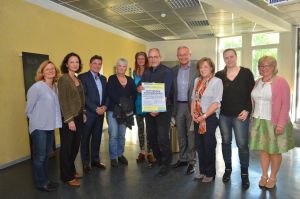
(153, 97)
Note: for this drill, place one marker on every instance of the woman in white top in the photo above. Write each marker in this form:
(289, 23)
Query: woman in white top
(44, 115)
(272, 130)
(205, 107)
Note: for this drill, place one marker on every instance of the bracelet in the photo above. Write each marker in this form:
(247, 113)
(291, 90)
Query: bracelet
(204, 115)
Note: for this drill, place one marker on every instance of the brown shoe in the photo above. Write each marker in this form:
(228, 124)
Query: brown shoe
(73, 183)
(141, 157)
(151, 160)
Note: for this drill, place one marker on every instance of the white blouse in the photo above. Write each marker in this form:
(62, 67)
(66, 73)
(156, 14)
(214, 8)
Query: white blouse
(262, 97)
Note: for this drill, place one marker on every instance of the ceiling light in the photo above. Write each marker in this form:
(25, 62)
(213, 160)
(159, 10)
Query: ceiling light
(170, 38)
(177, 4)
(198, 23)
(154, 27)
(132, 8)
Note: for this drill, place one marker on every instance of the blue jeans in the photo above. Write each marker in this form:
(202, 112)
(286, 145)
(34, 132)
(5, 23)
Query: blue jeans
(241, 132)
(42, 142)
(116, 136)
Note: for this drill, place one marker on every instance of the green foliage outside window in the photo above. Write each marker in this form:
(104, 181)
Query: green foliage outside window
(265, 39)
(230, 42)
(258, 53)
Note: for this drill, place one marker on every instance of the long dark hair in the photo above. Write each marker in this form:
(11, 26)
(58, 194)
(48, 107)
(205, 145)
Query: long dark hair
(136, 66)
(63, 66)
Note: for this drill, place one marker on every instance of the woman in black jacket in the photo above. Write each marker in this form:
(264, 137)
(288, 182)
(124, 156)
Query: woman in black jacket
(121, 92)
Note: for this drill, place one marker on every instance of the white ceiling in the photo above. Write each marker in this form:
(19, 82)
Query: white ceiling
(189, 19)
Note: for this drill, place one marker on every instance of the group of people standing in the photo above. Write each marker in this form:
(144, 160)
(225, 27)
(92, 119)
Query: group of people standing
(231, 99)
(196, 97)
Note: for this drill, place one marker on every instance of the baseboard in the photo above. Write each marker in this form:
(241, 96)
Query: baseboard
(3, 166)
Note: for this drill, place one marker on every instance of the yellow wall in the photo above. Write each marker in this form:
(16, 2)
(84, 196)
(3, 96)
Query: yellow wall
(26, 27)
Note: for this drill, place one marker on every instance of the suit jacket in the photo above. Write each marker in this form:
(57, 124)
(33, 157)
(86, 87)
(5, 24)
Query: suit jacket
(92, 98)
(194, 73)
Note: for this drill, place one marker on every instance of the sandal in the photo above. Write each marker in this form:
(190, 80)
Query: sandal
(263, 181)
(271, 183)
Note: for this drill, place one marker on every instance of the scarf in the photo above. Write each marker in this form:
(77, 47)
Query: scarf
(200, 88)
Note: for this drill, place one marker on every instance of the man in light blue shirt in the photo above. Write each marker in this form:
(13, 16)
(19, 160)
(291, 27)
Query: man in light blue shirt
(184, 76)
(94, 86)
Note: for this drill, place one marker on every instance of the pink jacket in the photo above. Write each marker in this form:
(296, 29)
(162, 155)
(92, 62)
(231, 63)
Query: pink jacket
(280, 101)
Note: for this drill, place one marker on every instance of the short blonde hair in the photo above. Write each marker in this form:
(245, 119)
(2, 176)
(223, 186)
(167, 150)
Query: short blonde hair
(39, 73)
(270, 60)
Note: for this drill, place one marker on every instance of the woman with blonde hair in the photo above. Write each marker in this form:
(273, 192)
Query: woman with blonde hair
(272, 130)
(122, 93)
(43, 111)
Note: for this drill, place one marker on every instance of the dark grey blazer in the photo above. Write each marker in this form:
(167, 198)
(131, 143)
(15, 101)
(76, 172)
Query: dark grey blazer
(194, 73)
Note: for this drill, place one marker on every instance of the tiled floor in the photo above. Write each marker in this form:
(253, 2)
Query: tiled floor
(138, 181)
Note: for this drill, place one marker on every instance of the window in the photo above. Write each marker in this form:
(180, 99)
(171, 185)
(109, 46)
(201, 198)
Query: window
(297, 71)
(258, 53)
(230, 42)
(265, 39)
(263, 44)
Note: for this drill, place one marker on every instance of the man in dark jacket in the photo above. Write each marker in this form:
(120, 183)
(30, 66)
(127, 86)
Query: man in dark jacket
(94, 86)
(158, 123)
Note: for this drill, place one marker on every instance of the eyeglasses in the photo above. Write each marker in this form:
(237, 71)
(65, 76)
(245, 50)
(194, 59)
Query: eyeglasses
(264, 66)
(49, 69)
(154, 57)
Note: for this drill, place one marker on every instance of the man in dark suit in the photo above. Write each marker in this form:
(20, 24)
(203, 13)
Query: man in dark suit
(158, 123)
(184, 76)
(94, 86)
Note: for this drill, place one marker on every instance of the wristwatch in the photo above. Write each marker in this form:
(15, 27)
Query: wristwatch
(204, 115)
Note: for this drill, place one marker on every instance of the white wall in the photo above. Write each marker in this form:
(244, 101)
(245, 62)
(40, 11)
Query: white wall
(199, 47)
(208, 48)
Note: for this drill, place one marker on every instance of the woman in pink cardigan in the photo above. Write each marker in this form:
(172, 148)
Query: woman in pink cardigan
(272, 130)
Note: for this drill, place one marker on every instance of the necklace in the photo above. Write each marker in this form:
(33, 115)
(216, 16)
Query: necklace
(122, 80)
(267, 80)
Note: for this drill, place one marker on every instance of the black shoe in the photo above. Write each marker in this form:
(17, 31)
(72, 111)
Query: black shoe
(179, 164)
(164, 170)
(53, 184)
(114, 163)
(123, 160)
(98, 165)
(87, 169)
(245, 181)
(227, 174)
(47, 188)
(190, 169)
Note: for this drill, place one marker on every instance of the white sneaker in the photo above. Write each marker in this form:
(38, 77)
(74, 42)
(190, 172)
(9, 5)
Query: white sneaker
(208, 179)
(199, 176)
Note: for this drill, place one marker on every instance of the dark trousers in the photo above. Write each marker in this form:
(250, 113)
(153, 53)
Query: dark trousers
(70, 141)
(141, 132)
(158, 129)
(91, 138)
(206, 146)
